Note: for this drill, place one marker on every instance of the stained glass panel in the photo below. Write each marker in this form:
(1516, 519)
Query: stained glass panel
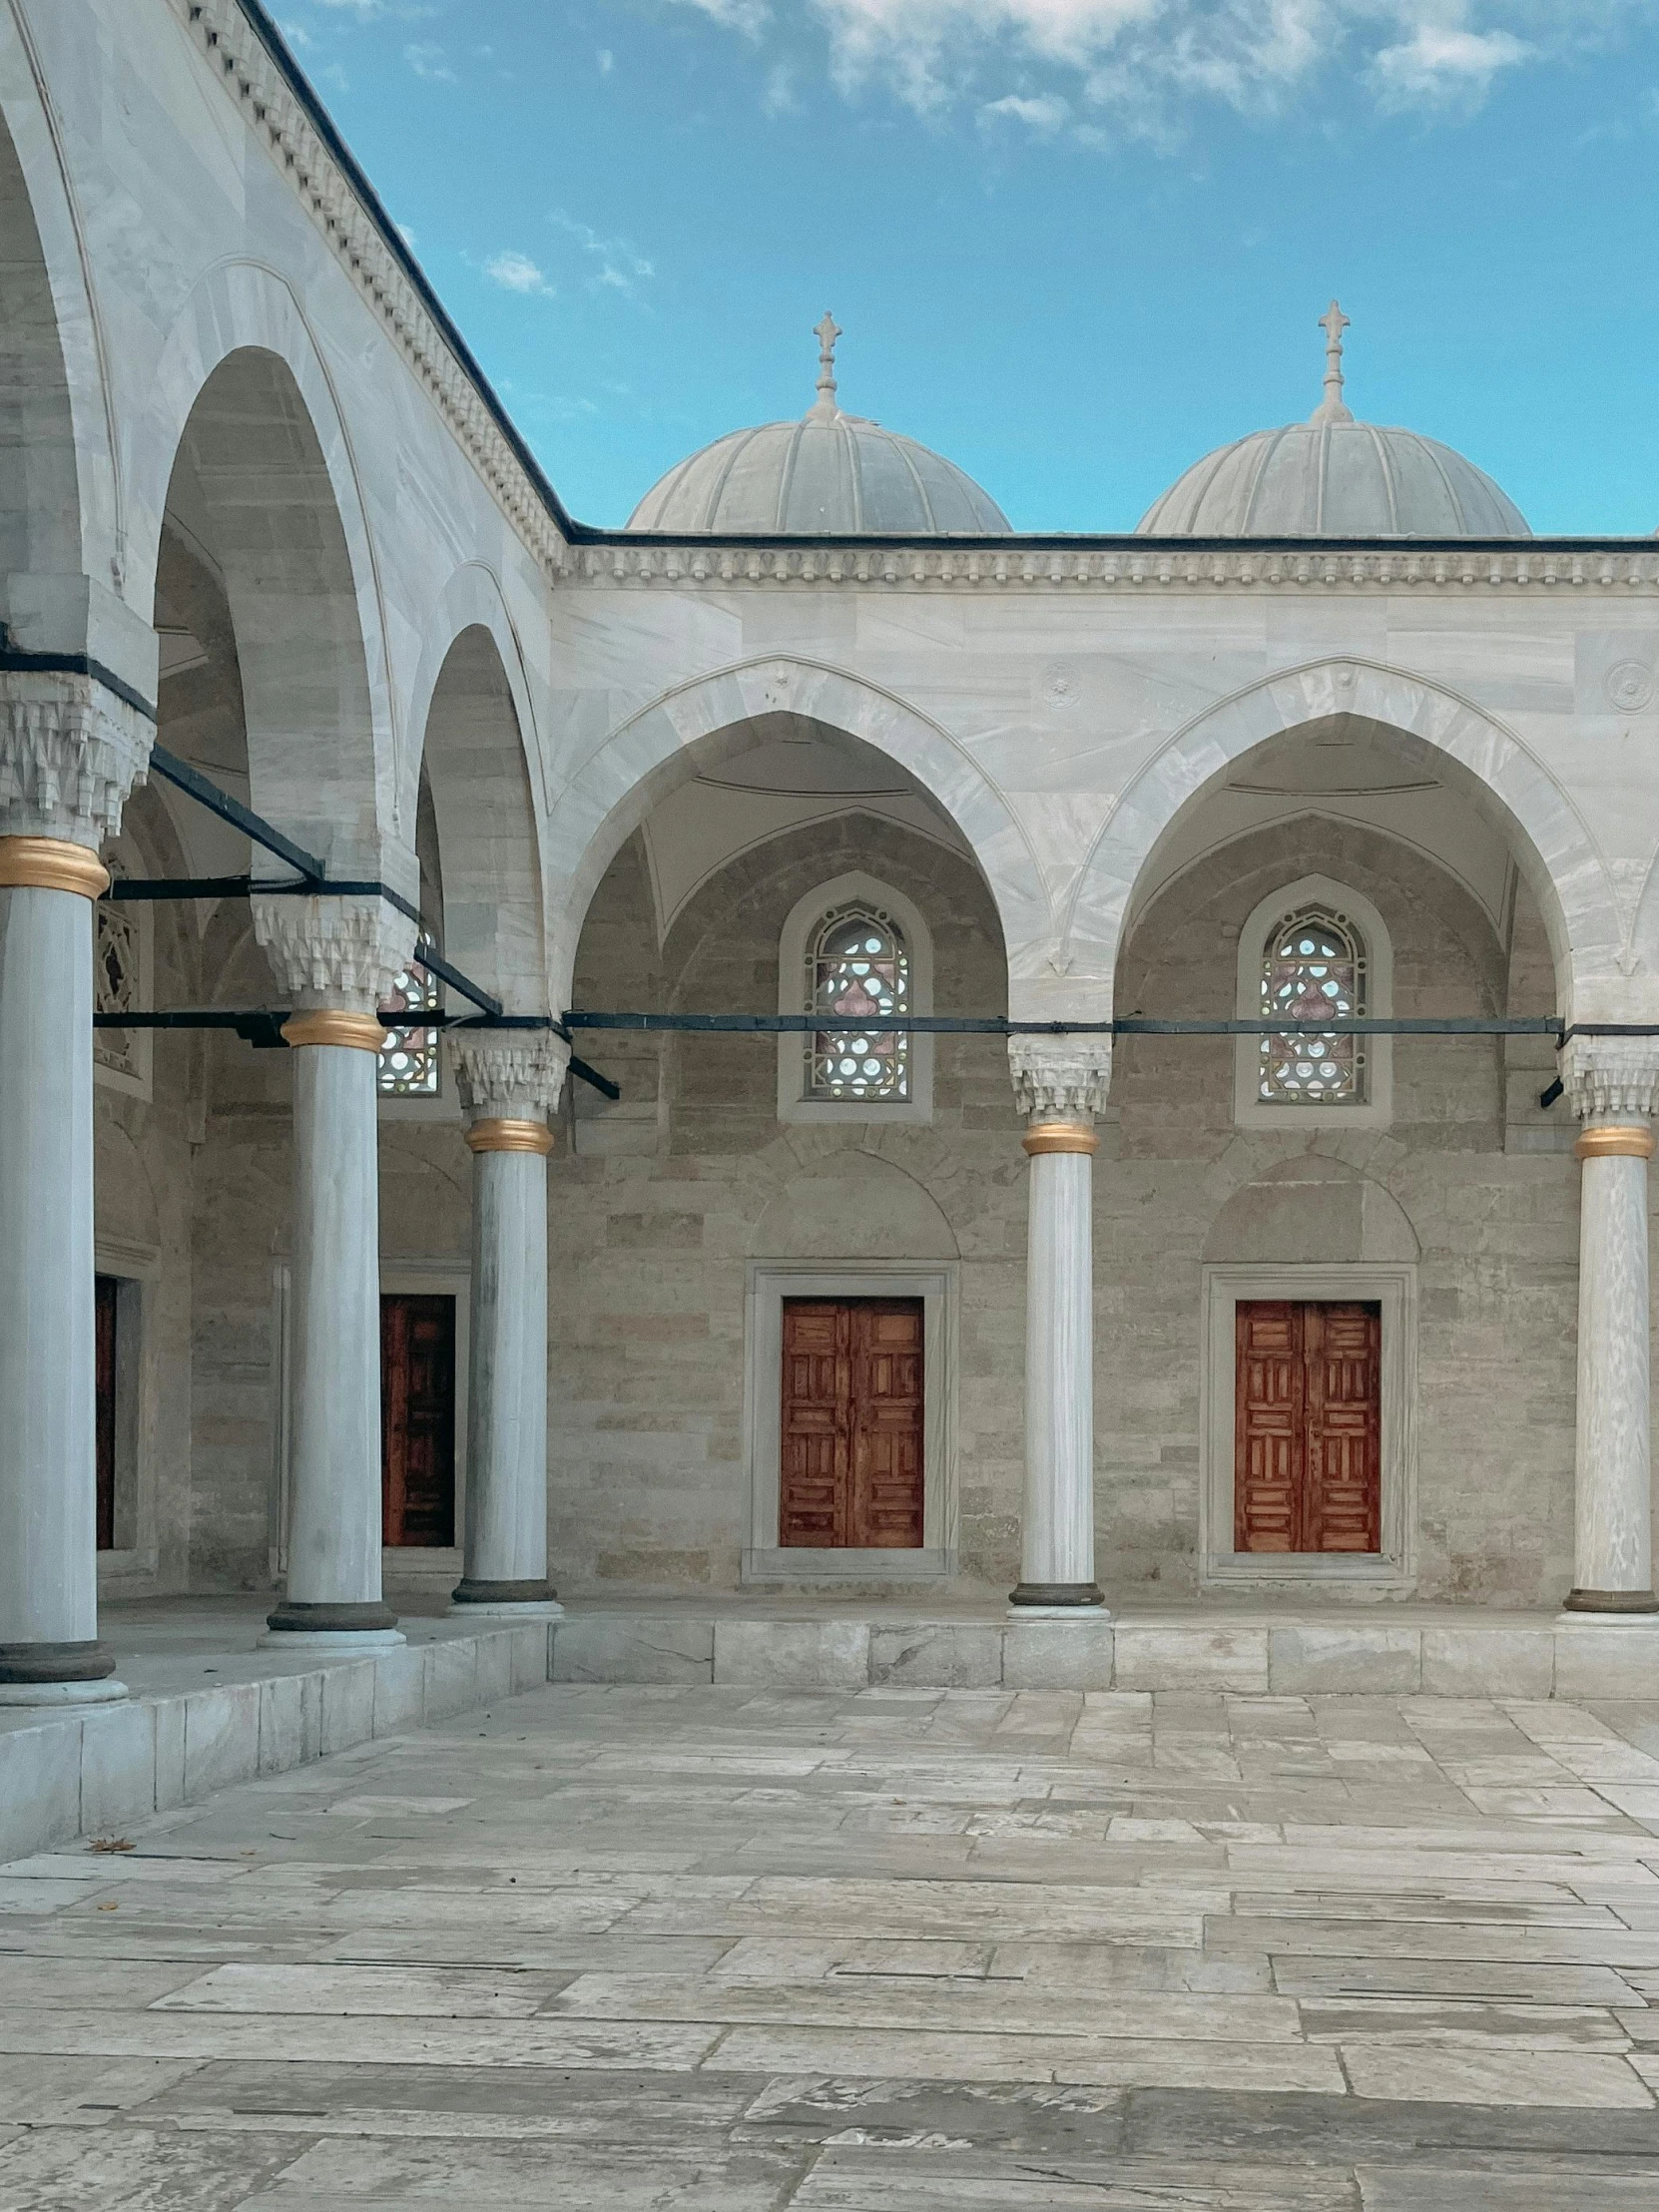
(858, 977)
(410, 1058)
(1314, 964)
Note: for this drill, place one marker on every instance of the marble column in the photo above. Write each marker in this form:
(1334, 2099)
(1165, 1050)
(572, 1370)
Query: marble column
(1614, 1083)
(1059, 1091)
(507, 1090)
(336, 958)
(70, 752)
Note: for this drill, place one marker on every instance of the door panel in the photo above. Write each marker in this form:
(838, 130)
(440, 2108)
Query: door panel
(1308, 1431)
(852, 1432)
(417, 1420)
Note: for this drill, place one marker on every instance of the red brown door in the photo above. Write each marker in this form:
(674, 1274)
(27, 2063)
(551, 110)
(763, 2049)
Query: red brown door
(418, 1418)
(1308, 1426)
(106, 1292)
(851, 1424)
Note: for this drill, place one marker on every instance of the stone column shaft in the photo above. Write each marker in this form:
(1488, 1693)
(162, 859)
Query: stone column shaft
(1614, 1083)
(344, 950)
(1060, 1098)
(69, 754)
(506, 1092)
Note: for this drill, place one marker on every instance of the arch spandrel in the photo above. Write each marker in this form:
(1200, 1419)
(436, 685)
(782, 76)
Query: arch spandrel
(687, 728)
(1551, 843)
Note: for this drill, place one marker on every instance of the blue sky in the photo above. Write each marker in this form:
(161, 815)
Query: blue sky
(1072, 244)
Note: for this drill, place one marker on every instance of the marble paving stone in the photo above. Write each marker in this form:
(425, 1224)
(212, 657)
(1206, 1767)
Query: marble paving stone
(811, 1655)
(758, 1944)
(1440, 2074)
(934, 1656)
(1306, 1657)
(1434, 2188)
(117, 1768)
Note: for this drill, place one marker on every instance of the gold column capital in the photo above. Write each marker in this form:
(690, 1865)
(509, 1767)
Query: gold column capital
(1059, 1136)
(331, 1025)
(51, 865)
(503, 1135)
(1632, 1142)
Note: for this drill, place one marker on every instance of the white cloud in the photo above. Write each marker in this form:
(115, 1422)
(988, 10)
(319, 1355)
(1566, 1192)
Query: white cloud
(429, 61)
(748, 16)
(515, 272)
(1045, 114)
(606, 60)
(778, 96)
(1149, 66)
(1440, 64)
(296, 35)
(621, 267)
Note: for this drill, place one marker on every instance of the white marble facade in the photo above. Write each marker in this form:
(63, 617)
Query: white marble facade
(254, 505)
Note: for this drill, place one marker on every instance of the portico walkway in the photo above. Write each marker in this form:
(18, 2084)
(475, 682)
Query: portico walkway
(720, 1950)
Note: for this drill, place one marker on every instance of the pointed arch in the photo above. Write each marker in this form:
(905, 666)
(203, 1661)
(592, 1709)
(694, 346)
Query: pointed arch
(642, 757)
(1552, 845)
(243, 408)
(482, 768)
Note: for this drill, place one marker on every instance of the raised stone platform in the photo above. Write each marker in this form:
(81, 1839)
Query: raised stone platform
(830, 1643)
(209, 1708)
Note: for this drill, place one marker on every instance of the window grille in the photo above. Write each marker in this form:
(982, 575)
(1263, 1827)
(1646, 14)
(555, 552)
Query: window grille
(1314, 963)
(410, 1058)
(116, 982)
(858, 977)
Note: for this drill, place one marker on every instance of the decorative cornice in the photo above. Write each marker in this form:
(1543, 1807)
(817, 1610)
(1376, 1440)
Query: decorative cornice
(1144, 567)
(1060, 1079)
(1612, 1078)
(239, 57)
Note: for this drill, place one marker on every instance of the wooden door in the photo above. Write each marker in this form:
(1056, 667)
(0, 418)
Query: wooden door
(1307, 1426)
(418, 1418)
(851, 1474)
(105, 1293)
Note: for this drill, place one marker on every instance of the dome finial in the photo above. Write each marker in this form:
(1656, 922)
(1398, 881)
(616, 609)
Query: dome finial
(1331, 407)
(823, 408)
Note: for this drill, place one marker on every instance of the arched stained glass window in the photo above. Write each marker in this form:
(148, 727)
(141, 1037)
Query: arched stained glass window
(1312, 964)
(857, 981)
(410, 1058)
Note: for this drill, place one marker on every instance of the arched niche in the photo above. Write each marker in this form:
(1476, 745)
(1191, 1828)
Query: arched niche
(1313, 1209)
(853, 1206)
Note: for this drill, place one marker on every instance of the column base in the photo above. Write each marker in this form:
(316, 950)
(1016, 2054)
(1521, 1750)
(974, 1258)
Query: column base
(87, 1660)
(475, 1590)
(107, 1691)
(1610, 1601)
(1059, 1596)
(299, 1617)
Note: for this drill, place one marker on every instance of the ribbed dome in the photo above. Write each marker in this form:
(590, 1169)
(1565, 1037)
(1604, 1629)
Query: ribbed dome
(1333, 478)
(829, 475)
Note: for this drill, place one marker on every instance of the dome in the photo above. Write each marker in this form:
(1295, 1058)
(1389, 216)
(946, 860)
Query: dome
(829, 475)
(1333, 478)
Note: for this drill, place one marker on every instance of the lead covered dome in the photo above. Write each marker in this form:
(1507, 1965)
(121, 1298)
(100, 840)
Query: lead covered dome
(1333, 478)
(829, 475)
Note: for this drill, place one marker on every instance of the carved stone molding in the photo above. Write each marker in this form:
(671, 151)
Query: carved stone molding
(70, 753)
(1612, 1078)
(335, 951)
(503, 1077)
(1060, 1078)
(238, 58)
(1147, 568)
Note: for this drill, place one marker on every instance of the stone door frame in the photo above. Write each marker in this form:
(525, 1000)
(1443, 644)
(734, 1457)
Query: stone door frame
(766, 1284)
(1392, 1284)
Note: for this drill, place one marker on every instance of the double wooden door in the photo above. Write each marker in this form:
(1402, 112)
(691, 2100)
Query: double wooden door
(851, 1476)
(417, 1420)
(1307, 1456)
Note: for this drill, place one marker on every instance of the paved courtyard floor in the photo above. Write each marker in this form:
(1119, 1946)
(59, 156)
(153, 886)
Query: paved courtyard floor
(713, 1950)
